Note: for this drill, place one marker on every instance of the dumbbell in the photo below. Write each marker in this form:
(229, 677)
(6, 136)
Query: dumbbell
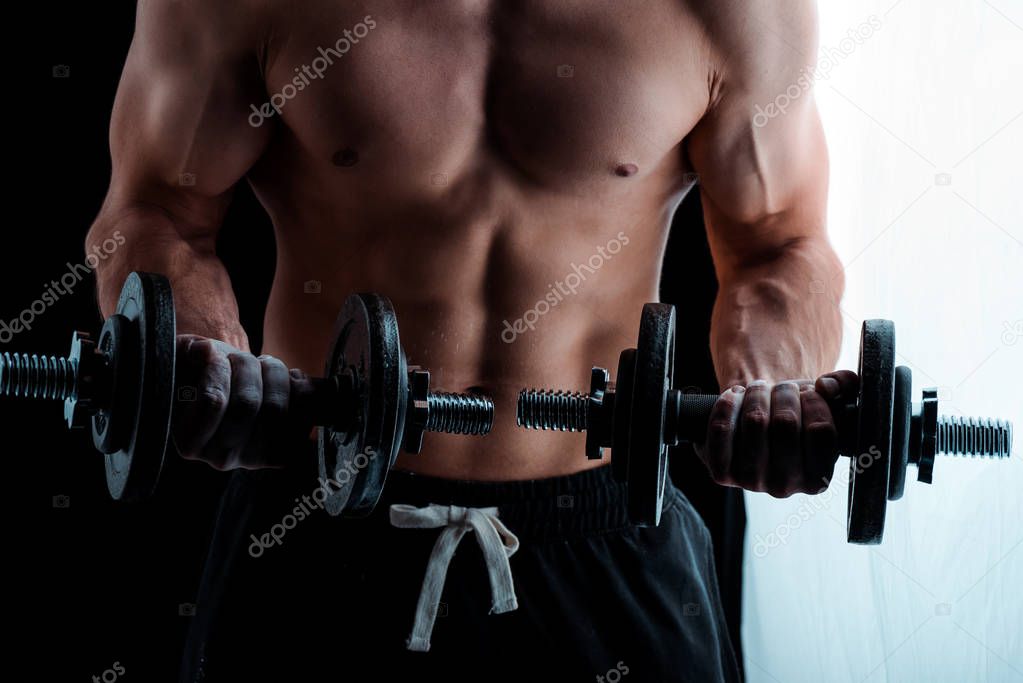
(640, 416)
(368, 406)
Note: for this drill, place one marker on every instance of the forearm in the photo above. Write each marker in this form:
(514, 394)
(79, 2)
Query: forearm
(779, 319)
(203, 298)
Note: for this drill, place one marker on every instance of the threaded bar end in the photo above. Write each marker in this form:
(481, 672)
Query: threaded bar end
(562, 411)
(49, 378)
(974, 436)
(459, 413)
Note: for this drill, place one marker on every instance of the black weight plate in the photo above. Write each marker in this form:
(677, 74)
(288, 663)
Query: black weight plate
(355, 464)
(648, 454)
(901, 416)
(622, 416)
(870, 464)
(112, 425)
(147, 308)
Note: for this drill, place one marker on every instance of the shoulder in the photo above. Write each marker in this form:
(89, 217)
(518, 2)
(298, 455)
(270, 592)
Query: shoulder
(756, 45)
(204, 27)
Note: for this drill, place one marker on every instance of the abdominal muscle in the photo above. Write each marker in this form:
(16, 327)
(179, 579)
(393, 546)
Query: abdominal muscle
(532, 299)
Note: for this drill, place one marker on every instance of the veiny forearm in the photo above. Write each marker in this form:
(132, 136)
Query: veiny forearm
(779, 319)
(203, 299)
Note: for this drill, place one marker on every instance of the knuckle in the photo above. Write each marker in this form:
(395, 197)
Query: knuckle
(243, 363)
(729, 399)
(212, 399)
(786, 421)
(719, 429)
(246, 400)
(272, 363)
(204, 349)
(274, 405)
(756, 418)
(822, 434)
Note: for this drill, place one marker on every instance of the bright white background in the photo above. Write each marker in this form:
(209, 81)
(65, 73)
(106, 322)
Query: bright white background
(937, 89)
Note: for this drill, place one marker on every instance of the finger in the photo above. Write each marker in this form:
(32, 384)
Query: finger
(785, 465)
(749, 459)
(841, 384)
(820, 441)
(268, 445)
(246, 398)
(202, 394)
(722, 427)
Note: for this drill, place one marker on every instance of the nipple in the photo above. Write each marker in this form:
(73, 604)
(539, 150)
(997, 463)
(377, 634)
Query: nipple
(626, 170)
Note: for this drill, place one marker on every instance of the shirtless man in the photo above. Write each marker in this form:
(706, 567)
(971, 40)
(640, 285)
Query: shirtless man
(459, 158)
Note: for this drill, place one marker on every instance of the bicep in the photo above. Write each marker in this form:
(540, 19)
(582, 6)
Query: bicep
(179, 134)
(763, 171)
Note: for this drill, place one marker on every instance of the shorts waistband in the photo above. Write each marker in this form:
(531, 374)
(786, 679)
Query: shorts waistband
(585, 503)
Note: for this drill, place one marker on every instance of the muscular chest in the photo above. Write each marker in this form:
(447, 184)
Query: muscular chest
(556, 91)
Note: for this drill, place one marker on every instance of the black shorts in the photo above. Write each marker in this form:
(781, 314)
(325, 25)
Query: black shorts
(329, 599)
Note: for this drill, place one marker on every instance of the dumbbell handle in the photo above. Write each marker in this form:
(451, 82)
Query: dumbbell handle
(689, 414)
(687, 417)
(320, 401)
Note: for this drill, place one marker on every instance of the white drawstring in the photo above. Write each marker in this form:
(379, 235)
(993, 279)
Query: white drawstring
(496, 542)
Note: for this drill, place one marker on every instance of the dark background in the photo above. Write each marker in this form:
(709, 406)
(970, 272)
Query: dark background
(98, 582)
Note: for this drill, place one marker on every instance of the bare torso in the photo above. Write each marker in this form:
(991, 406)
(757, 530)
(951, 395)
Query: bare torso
(504, 172)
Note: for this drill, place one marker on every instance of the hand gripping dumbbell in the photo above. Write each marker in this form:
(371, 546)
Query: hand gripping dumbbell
(369, 404)
(640, 416)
